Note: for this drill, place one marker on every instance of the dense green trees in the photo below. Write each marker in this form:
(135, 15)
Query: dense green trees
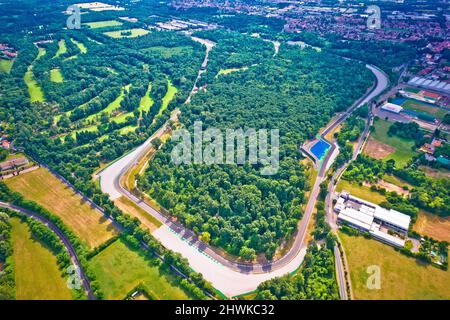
(244, 212)
(429, 194)
(7, 282)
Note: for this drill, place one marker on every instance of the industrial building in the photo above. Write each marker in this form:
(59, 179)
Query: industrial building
(389, 226)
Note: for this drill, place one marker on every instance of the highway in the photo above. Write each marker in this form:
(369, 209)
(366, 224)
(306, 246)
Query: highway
(230, 277)
(69, 248)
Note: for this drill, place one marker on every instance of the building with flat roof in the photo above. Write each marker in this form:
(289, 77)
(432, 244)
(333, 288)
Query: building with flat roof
(390, 107)
(373, 219)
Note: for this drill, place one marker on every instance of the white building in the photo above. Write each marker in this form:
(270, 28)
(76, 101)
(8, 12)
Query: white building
(390, 107)
(368, 217)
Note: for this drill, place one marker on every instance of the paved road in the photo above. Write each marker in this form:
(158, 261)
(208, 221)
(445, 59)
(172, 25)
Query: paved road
(69, 248)
(340, 273)
(230, 277)
(382, 84)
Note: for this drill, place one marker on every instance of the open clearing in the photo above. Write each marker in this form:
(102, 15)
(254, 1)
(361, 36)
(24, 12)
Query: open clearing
(56, 76)
(433, 226)
(36, 271)
(171, 91)
(415, 105)
(112, 106)
(103, 24)
(123, 33)
(34, 90)
(80, 46)
(402, 277)
(435, 173)
(378, 150)
(362, 192)
(6, 65)
(146, 101)
(44, 188)
(403, 147)
(119, 269)
(166, 52)
(128, 206)
(62, 48)
(228, 71)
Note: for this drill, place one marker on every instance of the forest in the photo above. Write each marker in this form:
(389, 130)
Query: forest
(294, 91)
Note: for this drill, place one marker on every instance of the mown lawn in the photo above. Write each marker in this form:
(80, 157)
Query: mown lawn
(6, 65)
(103, 24)
(56, 76)
(171, 91)
(119, 269)
(34, 90)
(48, 191)
(403, 152)
(61, 49)
(80, 46)
(425, 108)
(134, 33)
(362, 192)
(402, 277)
(36, 271)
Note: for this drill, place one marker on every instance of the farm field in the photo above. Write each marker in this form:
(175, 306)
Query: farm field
(36, 271)
(433, 226)
(402, 277)
(402, 147)
(62, 48)
(362, 192)
(103, 24)
(119, 269)
(56, 76)
(45, 189)
(6, 65)
(134, 33)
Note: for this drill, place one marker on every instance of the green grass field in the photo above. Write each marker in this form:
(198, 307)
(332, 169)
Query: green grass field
(119, 269)
(6, 65)
(103, 24)
(146, 101)
(134, 33)
(228, 71)
(62, 48)
(402, 277)
(166, 52)
(403, 152)
(56, 76)
(362, 192)
(112, 106)
(171, 91)
(80, 46)
(34, 90)
(425, 108)
(45, 189)
(36, 271)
